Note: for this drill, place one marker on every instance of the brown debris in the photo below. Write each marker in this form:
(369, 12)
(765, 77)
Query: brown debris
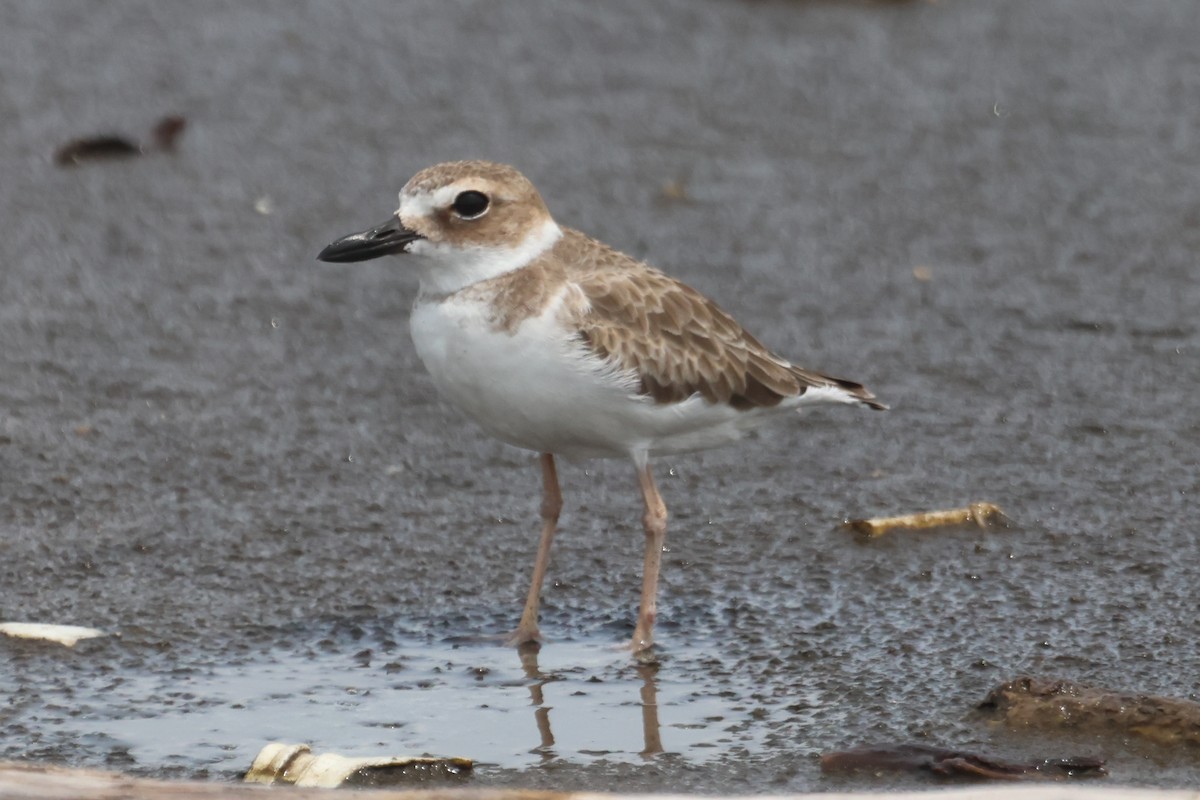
(95, 148)
(167, 132)
(984, 515)
(674, 191)
(945, 763)
(1039, 703)
(107, 146)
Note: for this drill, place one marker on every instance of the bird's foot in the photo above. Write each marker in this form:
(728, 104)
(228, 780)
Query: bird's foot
(643, 636)
(641, 647)
(523, 636)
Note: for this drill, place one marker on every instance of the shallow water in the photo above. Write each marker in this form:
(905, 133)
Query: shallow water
(228, 454)
(574, 703)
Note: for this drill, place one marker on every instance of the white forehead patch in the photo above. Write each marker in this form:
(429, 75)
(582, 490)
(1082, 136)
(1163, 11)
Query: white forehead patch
(423, 204)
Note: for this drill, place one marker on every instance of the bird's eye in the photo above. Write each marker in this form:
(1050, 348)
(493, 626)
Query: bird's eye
(470, 204)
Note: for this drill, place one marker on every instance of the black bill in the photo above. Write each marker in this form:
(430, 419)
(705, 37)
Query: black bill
(390, 237)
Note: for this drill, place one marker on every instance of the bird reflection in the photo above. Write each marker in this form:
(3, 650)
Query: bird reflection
(541, 712)
(647, 673)
(651, 737)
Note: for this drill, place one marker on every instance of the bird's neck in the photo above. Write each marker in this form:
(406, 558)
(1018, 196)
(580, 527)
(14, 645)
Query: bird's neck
(445, 269)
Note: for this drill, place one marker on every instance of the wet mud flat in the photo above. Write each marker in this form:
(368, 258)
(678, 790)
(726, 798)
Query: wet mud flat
(228, 456)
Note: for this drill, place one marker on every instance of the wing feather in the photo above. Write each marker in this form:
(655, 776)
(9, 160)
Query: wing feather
(677, 341)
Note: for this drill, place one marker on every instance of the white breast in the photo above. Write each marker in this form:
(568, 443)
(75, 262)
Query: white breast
(533, 388)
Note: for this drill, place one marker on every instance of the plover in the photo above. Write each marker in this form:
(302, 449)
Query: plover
(557, 343)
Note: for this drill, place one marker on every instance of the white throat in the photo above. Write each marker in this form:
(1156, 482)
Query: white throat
(445, 268)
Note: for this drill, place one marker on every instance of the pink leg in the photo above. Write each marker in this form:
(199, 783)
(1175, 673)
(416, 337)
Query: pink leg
(654, 521)
(527, 629)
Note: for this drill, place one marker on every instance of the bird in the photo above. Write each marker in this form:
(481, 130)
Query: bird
(554, 342)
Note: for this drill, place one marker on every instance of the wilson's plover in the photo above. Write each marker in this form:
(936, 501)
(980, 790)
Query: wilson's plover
(556, 343)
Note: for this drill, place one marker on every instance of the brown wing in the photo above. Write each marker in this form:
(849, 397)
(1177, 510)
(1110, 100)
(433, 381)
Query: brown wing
(680, 343)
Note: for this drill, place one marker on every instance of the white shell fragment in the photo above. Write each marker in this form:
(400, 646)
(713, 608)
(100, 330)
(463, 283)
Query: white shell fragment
(296, 765)
(62, 634)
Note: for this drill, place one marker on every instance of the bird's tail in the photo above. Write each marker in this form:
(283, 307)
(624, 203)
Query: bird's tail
(855, 390)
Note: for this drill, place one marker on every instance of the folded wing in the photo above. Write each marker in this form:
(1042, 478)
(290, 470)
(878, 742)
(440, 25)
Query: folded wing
(681, 344)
